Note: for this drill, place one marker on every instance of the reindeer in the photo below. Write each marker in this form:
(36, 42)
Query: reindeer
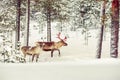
(52, 46)
(34, 51)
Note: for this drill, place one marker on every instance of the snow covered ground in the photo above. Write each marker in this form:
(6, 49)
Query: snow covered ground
(82, 70)
(77, 62)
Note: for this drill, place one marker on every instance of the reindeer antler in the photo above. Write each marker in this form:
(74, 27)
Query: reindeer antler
(65, 38)
(58, 36)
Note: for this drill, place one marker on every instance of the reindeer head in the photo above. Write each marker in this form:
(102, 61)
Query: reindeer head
(62, 41)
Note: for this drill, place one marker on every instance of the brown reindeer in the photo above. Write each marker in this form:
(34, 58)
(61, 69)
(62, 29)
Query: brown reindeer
(52, 46)
(34, 51)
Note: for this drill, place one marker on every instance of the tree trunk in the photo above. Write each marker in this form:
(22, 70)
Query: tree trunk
(101, 31)
(49, 22)
(18, 23)
(48, 27)
(61, 28)
(27, 23)
(114, 29)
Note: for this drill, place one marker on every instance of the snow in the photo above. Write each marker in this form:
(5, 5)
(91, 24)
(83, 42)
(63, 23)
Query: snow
(82, 70)
(77, 62)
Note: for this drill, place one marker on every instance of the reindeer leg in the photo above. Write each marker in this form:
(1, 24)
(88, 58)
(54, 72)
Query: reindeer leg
(37, 56)
(33, 57)
(52, 52)
(59, 52)
(25, 57)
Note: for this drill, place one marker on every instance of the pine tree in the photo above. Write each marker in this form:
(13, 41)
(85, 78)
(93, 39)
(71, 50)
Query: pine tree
(18, 23)
(48, 14)
(101, 30)
(27, 22)
(114, 28)
(50, 10)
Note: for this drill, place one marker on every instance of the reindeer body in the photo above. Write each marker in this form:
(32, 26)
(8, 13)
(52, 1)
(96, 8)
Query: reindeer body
(34, 51)
(52, 46)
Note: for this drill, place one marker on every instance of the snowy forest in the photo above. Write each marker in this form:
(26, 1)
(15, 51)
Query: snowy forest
(81, 24)
(59, 40)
